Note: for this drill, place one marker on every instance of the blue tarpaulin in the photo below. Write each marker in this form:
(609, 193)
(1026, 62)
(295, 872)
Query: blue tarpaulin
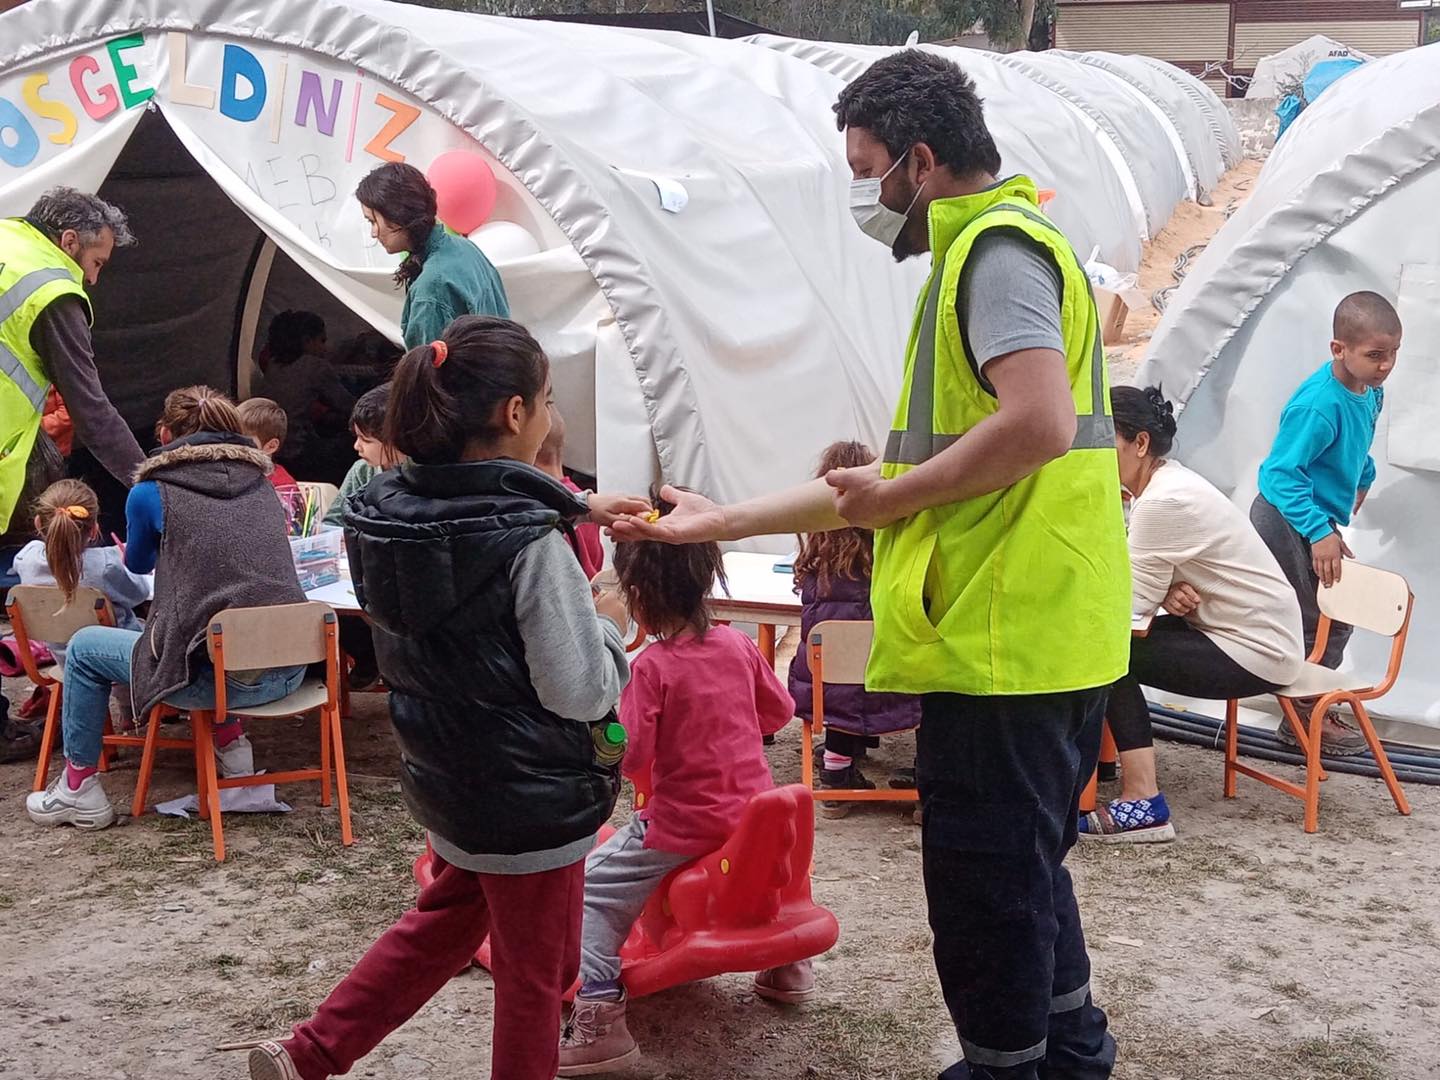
(1320, 78)
(1324, 75)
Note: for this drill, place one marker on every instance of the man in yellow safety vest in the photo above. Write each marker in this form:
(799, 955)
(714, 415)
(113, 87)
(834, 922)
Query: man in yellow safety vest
(1001, 588)
(46, 259)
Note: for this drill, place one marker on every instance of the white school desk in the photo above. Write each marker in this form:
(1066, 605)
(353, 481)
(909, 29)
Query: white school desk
(758, 594)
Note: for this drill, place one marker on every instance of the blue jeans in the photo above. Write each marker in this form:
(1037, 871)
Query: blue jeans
(98, 659)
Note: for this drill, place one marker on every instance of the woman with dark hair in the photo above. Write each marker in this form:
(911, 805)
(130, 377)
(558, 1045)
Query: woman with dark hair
(1231, 627)
(299, 378)
(444, 275)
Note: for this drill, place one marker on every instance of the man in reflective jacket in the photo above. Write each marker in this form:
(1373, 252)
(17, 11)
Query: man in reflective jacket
(46, 259)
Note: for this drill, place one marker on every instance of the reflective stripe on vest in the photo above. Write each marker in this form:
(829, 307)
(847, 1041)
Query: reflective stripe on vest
(11, 301)
(919, 442)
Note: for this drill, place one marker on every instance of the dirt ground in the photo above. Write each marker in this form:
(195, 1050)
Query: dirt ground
(1244, 950)
(1191, 224)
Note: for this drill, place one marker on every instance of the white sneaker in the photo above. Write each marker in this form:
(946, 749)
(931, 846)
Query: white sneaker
(236, 758)
(86, 808)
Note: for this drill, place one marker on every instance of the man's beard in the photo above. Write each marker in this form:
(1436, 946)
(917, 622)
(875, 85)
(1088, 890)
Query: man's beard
(904, 248)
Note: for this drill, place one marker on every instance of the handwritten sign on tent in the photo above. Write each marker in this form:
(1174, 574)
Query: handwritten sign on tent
(297, 128)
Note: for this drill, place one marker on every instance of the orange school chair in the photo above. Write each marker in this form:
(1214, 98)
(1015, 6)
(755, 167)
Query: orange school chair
(250, 639)
(40, 613)
(745, 907)
(1369, 599)
(839, 653)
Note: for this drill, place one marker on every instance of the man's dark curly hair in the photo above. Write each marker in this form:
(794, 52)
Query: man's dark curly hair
(912, 97)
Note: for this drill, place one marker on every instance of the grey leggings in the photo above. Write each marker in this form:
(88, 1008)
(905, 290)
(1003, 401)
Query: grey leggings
(620, 875)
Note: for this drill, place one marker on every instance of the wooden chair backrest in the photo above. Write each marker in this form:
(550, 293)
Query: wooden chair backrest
(845, 650)
(47, 617)
(269, 637)
(1368, 597)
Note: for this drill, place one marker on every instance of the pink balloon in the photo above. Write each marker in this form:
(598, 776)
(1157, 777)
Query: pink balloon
(465, 189)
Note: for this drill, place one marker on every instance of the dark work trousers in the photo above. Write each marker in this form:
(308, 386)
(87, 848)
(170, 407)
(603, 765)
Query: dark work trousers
(1000, 781)
(1292, 552)
(1177, 657)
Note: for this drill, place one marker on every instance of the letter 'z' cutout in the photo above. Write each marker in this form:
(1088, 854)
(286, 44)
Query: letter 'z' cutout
(405, 115)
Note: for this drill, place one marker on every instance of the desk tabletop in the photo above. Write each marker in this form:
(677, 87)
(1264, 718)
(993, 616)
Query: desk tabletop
(755, 583)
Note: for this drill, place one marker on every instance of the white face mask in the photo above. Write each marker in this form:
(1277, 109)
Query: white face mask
(876, 220)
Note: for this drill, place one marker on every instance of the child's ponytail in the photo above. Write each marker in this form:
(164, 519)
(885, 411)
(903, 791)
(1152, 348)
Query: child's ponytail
(192, 409)
(444, 395)
(68, 515)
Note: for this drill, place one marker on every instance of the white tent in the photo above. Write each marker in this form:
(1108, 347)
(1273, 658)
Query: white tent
(1120, 144)
(1293, 64)
(1346, 202)
(673, 219)
(1202, 154)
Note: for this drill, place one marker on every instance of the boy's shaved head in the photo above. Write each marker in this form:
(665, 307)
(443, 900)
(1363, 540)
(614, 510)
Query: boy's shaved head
(1363, 315)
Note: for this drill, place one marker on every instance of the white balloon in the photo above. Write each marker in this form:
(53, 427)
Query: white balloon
(504, 241)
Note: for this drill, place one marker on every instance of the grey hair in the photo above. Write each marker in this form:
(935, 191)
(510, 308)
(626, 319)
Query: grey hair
(63, 208)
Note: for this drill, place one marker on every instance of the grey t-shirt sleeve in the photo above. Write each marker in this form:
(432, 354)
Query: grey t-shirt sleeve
(576, 656)
(1009, 298)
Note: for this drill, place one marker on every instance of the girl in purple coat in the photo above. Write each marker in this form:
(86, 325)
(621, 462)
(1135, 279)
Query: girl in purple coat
(832, 576)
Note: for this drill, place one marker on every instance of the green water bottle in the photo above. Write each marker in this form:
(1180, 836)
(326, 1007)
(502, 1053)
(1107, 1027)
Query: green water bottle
(610, 740)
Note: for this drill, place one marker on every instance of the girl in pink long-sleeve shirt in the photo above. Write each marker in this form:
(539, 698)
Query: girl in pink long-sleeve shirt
(699, 701)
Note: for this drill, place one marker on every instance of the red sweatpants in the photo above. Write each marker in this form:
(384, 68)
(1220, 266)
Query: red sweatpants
(534, 925)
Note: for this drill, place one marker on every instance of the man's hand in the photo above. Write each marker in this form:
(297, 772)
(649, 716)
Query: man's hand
(1359, 500)
(864, 498)
(1326, 556)
(695, 520)
(1181, 600)
(605, 509)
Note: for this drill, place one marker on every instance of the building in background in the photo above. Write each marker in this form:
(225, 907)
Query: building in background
(1219, 38)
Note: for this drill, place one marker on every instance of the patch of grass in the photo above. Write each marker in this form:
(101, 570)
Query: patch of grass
(1342, 1057)
(852, 1040)
(285, 967)
(6, 901)
(1378, 905)
(223, 964)
(1271, 950)
(1291, 989)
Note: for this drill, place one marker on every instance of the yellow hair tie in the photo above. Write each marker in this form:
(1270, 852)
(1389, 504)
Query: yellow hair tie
(76, 511)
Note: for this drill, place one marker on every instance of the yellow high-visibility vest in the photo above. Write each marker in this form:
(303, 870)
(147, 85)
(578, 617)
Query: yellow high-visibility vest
(1025, 590)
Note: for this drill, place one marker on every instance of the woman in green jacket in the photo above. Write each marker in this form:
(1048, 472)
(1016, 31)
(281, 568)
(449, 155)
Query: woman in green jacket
(444, 275)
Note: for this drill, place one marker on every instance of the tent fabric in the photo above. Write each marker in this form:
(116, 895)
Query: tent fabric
(1292, 64)
(1332, 212)
(1142, 141)
(1113, 162)
(1222, 124)
(698, 281)
(1189, 122)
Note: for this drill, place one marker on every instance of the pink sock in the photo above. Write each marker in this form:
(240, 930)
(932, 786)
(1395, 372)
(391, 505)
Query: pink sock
(834, 761)
(227, 733)
(75, 775)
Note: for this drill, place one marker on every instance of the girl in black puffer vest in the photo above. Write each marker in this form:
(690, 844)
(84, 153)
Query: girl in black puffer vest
(500, 667)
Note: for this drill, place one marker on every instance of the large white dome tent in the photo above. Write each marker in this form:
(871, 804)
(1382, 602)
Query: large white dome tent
(1126, 123)
(1188, 126)
(692, 268)
(1117, 165)
(1346, 202)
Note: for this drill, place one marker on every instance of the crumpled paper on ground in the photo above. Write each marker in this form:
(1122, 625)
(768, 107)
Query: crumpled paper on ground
(240, 800)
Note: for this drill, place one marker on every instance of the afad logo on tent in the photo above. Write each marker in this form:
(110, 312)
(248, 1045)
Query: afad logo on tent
(99, 91)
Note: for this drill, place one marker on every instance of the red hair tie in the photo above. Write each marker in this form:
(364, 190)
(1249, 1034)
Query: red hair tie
(442, 352)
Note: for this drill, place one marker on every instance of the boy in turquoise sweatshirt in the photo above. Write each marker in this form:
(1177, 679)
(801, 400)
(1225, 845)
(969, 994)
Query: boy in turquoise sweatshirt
(1320, 470)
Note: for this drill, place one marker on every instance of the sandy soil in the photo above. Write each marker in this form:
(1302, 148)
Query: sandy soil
(1192, 224)
(1244, 950)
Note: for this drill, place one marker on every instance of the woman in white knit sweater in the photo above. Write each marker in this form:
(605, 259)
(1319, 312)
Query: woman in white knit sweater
(1231, 626)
